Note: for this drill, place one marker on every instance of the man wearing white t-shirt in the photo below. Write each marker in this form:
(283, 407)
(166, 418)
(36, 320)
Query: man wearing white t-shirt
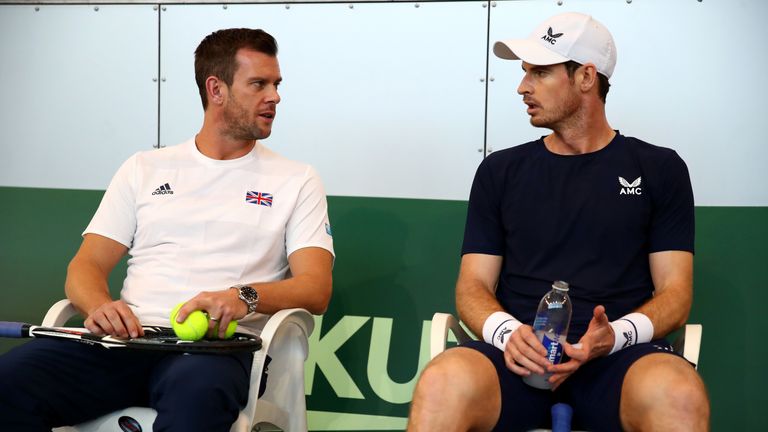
(219, 222)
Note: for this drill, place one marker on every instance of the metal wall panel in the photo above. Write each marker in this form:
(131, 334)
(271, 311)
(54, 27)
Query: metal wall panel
(78, 92)
(385, 100)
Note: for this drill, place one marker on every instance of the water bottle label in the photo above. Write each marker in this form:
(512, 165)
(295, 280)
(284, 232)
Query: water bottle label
(554, 349)
(540, 322)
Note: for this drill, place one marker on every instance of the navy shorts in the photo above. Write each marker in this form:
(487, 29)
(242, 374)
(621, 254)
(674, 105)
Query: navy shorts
(594, 391)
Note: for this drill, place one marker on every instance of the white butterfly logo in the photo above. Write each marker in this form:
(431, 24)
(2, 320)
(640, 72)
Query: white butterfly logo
(627, 184)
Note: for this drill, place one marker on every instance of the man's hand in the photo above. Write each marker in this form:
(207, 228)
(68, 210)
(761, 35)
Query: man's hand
(114, 318)
(221, 306)
(596, 342)
(524, 352)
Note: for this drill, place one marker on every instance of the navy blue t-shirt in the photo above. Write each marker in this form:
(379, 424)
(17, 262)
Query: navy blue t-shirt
(590, 220)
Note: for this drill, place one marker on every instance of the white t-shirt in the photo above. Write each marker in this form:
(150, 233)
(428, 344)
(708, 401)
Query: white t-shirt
(196, 224)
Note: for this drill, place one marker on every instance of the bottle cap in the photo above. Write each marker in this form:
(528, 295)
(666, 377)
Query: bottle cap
(560, 285)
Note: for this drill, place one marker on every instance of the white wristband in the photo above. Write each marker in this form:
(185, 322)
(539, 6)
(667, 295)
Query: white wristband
(631, 329)
(498, 327)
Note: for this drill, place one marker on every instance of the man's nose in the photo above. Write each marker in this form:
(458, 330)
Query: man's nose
(274, 95)
(524, 87)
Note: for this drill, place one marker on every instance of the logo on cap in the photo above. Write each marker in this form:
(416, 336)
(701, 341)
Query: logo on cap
(551, 37)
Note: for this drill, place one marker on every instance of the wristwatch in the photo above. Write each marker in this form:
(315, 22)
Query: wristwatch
(249, 295)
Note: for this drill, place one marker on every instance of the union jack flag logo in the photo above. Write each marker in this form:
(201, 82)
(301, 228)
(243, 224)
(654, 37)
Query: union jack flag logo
(259, 198)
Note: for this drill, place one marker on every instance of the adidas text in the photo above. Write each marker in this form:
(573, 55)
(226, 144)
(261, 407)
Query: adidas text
(164, 189)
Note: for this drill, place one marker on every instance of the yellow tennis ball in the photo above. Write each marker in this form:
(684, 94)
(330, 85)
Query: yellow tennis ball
(193, 328)
(231, 327)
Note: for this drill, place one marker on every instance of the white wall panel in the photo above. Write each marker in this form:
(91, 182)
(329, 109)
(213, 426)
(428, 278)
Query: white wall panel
(78, 96)
(384, 100)
(690, 76)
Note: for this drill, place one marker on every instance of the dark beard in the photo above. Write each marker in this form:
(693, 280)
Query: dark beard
(238, 125)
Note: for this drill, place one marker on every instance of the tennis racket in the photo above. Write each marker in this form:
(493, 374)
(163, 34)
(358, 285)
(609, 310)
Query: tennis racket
(155, 338)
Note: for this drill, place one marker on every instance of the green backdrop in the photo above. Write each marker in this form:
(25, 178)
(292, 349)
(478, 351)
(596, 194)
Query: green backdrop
(397, 261)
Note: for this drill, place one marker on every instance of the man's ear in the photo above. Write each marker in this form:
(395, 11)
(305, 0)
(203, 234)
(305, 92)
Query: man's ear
(588, 75)
(216, 89)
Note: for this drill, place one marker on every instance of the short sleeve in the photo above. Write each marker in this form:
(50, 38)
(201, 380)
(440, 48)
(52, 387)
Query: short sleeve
(116, 216)
(484, 231)
(672, 225)
(309, 225)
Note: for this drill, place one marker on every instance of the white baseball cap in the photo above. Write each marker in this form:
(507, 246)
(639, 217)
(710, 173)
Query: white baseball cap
(561, 38)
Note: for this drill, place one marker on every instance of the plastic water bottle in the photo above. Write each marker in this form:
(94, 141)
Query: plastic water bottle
(551, 327)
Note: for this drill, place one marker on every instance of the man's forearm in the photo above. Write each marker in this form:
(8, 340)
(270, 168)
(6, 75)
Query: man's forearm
(86, 287)
(475, 300)
(311, 292)
(474, 304)
(672, 273)
(87, 274)
(668, 311)
(309, 287)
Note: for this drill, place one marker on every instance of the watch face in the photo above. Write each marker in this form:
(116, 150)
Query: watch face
(249, 294)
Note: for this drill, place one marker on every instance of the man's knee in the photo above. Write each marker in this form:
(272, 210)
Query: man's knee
(658, 385)
(454, 381)
(458, 371)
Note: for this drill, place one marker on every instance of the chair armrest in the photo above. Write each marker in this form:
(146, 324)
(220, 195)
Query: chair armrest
(59, 314)
(441, 323)
(285, 339)
(688, 343)
(297, 316)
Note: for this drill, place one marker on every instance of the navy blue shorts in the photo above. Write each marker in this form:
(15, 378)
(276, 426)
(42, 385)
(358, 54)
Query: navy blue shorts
(47, 382)
(594, 391)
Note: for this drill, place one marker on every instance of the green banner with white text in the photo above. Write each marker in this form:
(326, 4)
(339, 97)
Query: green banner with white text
(397, 261)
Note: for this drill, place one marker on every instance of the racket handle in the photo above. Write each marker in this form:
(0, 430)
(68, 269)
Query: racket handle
(561, 417)
(9, 329)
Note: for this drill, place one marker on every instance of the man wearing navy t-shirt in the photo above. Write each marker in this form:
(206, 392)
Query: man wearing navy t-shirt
(612, 216)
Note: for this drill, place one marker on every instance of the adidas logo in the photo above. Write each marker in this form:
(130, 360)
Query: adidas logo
(163, 190)
(551, 37)
(630, 188)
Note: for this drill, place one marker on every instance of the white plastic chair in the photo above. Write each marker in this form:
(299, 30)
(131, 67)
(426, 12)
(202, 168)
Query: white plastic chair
(687, 343)
(283, 404)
